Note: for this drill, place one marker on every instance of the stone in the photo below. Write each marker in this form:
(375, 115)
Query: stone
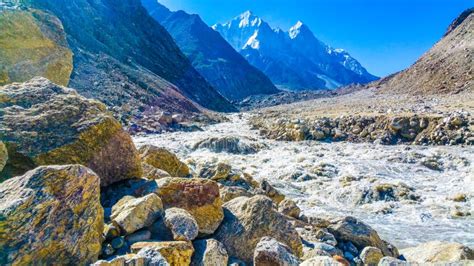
(247, 220)
(232, 192)
(437, 251)
(118, 242)
(132, 214)
(138, 236)
(226, 175)
(324, 236)
(163, 159)
(361, 235)
(209, 252)
(181, 223)
(52, 215)
(200, 197)
(175, 252)
(321, 261)
(111, 232)
(390, 261)
(270, 252)
(371, 255)
(268, 190)
(146, 257)
(152, 173)
(3, 156)
(228, 144)
(325, 248)
(289, 208)
(45, 124)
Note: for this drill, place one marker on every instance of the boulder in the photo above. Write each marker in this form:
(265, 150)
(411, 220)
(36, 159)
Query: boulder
(247, 220)
(3, 156)
(52, 215)
(438, 252)
(45, 124)
(163, 159)
(324, 236)
(226, 175)
(270, 252)
(371, 256)
(139, 236)
(200, 197)
(209, 252)
(390, 261)
(321, 261)
(152, 173)
(132, 214)
(228, 144)
(230, 193)
(146, 257)
(268, 190)
(175, 252)
(181, 223)
(361, 235)
(289, 208)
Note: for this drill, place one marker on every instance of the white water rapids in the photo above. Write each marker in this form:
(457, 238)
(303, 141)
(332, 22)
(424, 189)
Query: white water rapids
(402, 222)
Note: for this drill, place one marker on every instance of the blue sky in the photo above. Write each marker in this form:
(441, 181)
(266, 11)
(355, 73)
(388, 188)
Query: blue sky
(384, 35)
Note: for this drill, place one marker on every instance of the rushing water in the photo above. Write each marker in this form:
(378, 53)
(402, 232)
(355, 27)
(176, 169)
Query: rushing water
(403, 222)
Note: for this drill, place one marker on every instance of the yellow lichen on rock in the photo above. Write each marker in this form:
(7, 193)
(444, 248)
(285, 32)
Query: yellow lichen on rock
(3, 155)
(176, 253)
(163, 159)
(33, 43)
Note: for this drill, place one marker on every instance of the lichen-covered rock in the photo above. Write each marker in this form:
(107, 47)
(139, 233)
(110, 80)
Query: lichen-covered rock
(247, 220)
(226, 175)
(438, 252)
(51, 215)
(3, 156)
(175, 252)
(33, 44)
(321, 261)
(209, 252)
(132, 214)
(268, 190)
(200, 197)
(361, 235)
(151, 172)
(390, 261)
(371, 255)
(288, 207)
(270, 252)
(181, 223)
(45, 124)
(230, 193)
(163, 159)
(145, 257)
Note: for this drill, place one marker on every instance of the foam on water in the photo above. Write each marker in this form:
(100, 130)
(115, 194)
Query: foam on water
(404, 222)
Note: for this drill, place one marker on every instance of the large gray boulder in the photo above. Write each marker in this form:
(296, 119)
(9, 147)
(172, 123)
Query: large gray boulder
(247, 220)
(209, 252)
(437, 252)
(45, 124)
(51, 215)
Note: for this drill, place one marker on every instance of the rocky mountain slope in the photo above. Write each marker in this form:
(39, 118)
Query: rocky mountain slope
(32, 44)
(134, 67)
(448, 67)
(224, 68)
(294, 60)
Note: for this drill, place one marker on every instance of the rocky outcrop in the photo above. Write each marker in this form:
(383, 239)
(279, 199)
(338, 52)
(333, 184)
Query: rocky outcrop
(361, 235)
(247, 220)
(200, 197)
(3, 156)
(438, 252)
(209, 252)
(182, 225)
(452, 129)
(44, 124)
(270, 252)
(163, 159)
(175, 252)
(52, 214)
(33, 44)
(132, 214)
(233, 145)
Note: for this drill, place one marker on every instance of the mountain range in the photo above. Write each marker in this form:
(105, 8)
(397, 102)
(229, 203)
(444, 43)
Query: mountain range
(224, 68)
(121, 55)
(293, 59)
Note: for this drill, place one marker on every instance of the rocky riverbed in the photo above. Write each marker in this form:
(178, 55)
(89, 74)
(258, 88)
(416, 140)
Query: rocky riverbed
(410, 194)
